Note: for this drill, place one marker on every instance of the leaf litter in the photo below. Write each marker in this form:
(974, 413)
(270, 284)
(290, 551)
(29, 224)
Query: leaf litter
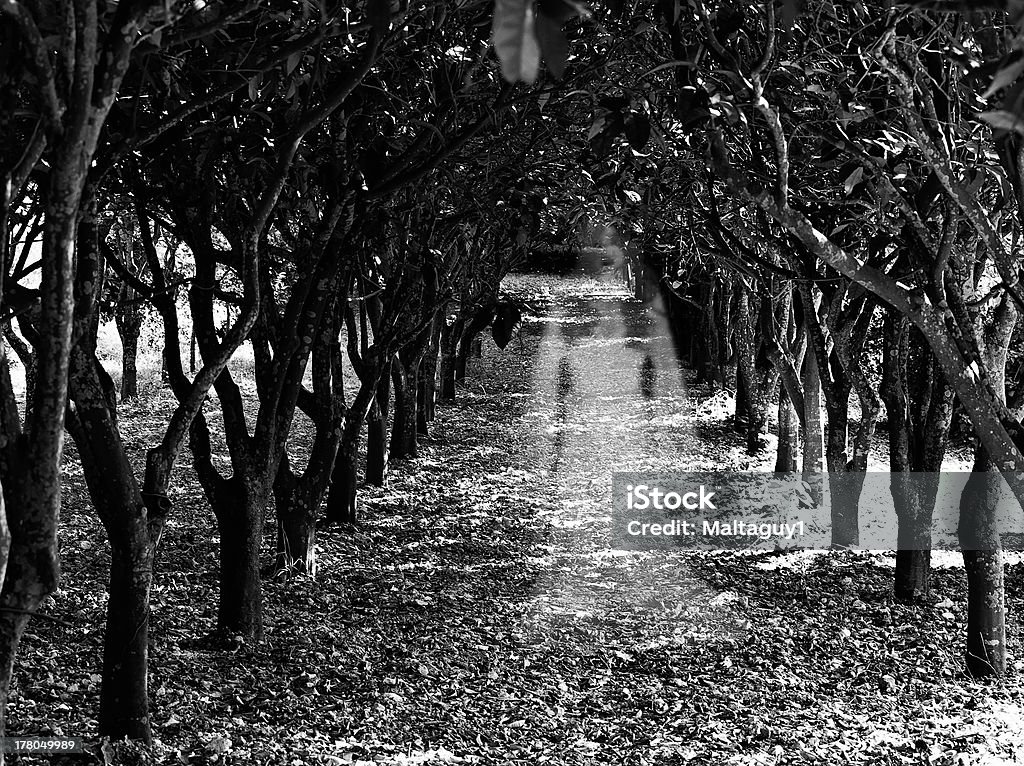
(479, 615)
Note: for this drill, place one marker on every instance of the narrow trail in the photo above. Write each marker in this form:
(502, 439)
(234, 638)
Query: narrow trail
(606, 394)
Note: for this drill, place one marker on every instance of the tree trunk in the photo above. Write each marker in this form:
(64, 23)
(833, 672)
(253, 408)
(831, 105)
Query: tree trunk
(377, 435)
(741, 415)
(789, 434)
(240, 509)
(979, 523)
(410, 401)
(425, 394)
(712, 336)
(128, 320)
(403, 427)
(28, 580)
(983, 561)
(132, 517)
(448, 362)
(129, 360)
(460, 367)
(689, 336)
(30, 462)
(422, 424)
(296, 522)
(844, 487)
(765, 375)
(750, 415)
(296, 547)
(912, 578)
(297, 497)
(124, 695)
(427, 405)
(813, 442)
(341, 499)
(844, 494)
(986, 613)
(639, 276)
(467, 340)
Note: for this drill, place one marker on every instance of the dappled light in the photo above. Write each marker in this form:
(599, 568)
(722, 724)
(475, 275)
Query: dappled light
(511, 382)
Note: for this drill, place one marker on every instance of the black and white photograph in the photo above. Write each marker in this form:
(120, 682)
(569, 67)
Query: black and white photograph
(511, 382)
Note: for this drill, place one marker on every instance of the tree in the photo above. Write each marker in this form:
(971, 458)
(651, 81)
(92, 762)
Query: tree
(64, 93)
(909, 71)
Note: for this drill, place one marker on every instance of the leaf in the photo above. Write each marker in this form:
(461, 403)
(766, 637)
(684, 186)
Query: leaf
(600, 120)
(219, 744)
(853, 179)
(637, 129)
(292, 62)
(515, 40)
(507, 319)
(553, 45)
(1003, 120)
(1004, 77)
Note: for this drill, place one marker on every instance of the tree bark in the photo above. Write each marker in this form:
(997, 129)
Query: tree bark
(750, 413)
(912, 503)
(297, 498)
(129, 360)
(912, 579)
(124, 697)
(133, 522)
(712, 335)
(341, 500)
(377, 435)
(849, 331)
(979, 530)
(741, 414)
(427, 404)
(468, 339)
(986, 613)
(983, 562)
(813, 443)
(240, 507)
(296, 523)
(403, 427)
(789, 434)
(449, 343)
(128, 320)
(425, 398)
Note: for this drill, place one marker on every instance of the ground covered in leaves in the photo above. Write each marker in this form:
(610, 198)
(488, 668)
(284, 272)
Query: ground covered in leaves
(478, 614)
